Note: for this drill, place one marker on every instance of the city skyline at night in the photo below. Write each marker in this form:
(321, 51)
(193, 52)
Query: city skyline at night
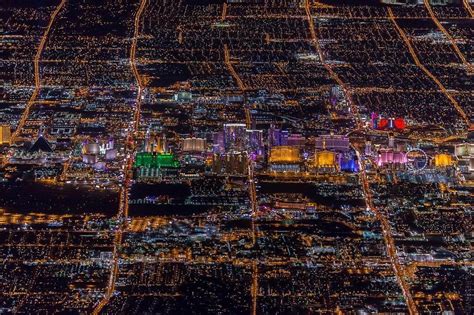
(236, 156)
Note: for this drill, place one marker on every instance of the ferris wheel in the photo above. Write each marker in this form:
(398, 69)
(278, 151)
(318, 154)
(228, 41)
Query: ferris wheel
(417, 159)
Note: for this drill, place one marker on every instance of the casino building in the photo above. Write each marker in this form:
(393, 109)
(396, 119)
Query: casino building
(443, 160)
(5, 134)
(285, 159)
(325, 161)
(390, 157)
(151, 165)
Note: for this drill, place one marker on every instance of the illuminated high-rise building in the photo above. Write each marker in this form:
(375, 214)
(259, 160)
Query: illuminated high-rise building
(155, 142)
(285, 158)
(333, 142)
(347, 163)
(155, 165)
(255, 141)
(235, 137)
(5, 134)
(465, 158)
(284, 154)
(218, 142)
(193, 145)
(324, 161)
(368, 148)
(443, 160)
(277, 137)
(391, 141)
(296, 140)
(231, 163)
(273, 136)
(391, 157)
(91, 148)
(464, 150)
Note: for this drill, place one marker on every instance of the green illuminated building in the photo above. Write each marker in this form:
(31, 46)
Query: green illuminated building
(155, 165)
(148, 159)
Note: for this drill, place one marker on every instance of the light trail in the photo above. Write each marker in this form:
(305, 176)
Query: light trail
(254, 289)
(254, 207)
(36, 63)
(239, 81)
(253, 198)
(425, 70)
(458, 52)
(66, 166)
(231, 69)
(129, 152)
(332, 73)
(467, 5)
(224, 11)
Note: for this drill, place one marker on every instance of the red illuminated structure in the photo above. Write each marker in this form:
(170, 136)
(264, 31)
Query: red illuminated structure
(383, 123)
(399, 123)
(380, 123)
